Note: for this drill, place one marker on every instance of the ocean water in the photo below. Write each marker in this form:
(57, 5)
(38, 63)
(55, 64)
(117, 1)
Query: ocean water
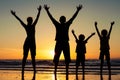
(47, 66)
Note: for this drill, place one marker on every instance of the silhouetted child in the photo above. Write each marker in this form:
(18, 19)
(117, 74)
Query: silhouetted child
(29, 43)
(81, 50)
(104, 46)
(62, 37)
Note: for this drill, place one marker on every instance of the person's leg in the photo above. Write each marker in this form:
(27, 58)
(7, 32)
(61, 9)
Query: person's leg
(25, 55)
(34, 66)
(33, 54)
(109, 68)
(56, 56)
(55, 77)
(56, 64)
(78, 59)
(108, 64)
(101, 67)
(66, 52)
(56, 60)
(23, 65)
(101, 57)
(67, 67)
(77, 65)
(83, 66)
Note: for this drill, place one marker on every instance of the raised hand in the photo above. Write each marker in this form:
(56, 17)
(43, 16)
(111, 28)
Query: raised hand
(95, 23)
(79, 7)
(13, 12)
(39, 8)
(93, 33)
(73, 31)
(112, 23)
(46, 7)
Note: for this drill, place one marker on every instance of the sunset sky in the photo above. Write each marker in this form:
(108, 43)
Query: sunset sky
(12, 34)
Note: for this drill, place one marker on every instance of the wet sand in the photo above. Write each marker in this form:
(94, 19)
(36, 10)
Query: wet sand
(16, 75)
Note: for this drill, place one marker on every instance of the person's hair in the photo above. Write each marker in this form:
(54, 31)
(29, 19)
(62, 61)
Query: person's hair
(81, 37)
(62, 19)
(104, 32)
(29, 20)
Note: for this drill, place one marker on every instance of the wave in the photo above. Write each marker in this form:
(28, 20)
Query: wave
(115, 62)
(47, 66)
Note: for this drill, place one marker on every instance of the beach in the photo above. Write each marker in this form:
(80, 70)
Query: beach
(11, 70)
(16, 75)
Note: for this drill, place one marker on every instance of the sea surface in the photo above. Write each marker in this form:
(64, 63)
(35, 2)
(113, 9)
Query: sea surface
(47, 66)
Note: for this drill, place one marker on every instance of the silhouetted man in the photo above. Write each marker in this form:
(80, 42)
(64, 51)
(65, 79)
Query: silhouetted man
(29, 43)
(81, 50)
(104, 47)
(62, 37)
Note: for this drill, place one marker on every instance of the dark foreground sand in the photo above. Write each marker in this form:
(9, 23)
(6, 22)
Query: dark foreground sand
(16, 75)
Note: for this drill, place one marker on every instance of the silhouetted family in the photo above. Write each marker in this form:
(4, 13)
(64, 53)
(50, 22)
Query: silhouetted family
(62, 42)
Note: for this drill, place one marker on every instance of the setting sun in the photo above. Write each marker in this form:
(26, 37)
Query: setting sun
(51, 52)
(13, 34)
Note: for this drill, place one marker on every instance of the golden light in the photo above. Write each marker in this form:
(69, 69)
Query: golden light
(52, 53)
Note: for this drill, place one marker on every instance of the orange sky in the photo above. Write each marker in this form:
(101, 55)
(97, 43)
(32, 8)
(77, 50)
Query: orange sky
(13, 34)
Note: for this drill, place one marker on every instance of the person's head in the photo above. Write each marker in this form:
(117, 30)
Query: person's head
(29, 20)
(62, 19)
(81, 37)
(104, 32)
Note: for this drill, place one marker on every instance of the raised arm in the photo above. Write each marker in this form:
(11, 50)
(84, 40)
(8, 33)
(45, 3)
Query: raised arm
(74, 34)
(97, 29)
(90, 37)
(112, 23)
(49, 14)
(14, 14)
(76, 13)
(36, 20)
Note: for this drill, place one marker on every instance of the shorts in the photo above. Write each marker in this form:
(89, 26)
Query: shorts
(59, 47)
(29, 46)
(106, 54)
(80, 59)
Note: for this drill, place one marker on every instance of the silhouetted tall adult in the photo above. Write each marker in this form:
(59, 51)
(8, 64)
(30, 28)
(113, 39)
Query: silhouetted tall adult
(104, 47)
(81, 50)
(29, 43)
(62, 37)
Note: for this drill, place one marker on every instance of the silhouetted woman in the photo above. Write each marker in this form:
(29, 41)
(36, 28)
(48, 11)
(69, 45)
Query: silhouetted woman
(29, 43)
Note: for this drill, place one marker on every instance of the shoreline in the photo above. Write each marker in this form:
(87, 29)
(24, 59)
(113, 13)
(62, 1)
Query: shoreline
(16, 75)
(63, 73)
(11, 70)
